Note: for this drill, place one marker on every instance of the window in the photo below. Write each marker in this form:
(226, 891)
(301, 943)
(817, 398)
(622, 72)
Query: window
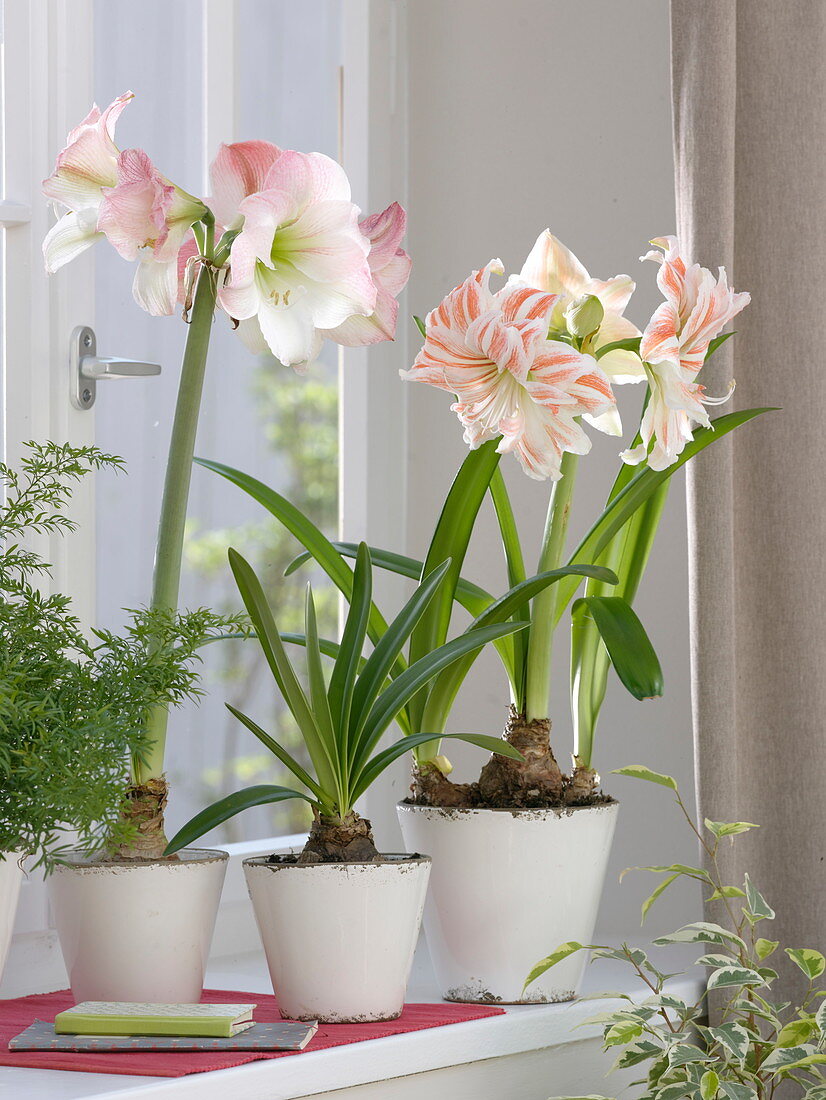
(181, 61)
(256, 414)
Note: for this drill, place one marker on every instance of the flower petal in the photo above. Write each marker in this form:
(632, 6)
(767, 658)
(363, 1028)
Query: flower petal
(155, 287)
(394, 275)
(358, 331)
(309, 177)
(251, 336)
(89, 161)
(553, 267)
(384, 231)
(621, 367)
(614, 294)
(659, 341)
(68, 237)
(239, 170)
(133, 213)
(609, 423)
(289, 333)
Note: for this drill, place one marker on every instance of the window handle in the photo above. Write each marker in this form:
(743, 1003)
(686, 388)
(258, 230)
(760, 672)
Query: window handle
(87, 368)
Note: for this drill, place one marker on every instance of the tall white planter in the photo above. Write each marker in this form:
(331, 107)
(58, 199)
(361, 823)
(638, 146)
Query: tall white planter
(11, 876)
(138, 931)
(507, 888)
(339, 937)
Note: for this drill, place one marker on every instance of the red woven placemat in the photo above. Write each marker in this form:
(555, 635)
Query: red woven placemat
(17, 1014)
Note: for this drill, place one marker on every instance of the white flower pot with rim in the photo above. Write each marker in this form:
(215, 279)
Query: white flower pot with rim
(137, 931)
(339, 937)
(11, 876)
(507, 888)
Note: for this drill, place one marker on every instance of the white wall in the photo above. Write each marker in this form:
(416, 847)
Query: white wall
(556, 113)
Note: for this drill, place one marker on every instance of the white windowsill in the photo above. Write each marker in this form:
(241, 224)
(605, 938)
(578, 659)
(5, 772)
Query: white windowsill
(520, 1031)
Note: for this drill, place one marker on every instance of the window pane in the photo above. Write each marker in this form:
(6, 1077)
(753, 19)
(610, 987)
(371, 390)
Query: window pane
(257, 414)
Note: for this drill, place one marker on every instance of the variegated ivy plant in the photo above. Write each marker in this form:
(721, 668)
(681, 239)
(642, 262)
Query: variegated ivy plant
(757, 1043)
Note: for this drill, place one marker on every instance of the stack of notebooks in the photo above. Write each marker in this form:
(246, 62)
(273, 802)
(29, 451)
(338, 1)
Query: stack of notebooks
(101, 1026)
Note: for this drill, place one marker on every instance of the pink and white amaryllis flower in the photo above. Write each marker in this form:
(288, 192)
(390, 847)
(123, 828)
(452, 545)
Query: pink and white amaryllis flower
(492, 351)
(147, 218)
(87, 165)
(390, 269)
(697, 308)
(552, 267)
(299, 263)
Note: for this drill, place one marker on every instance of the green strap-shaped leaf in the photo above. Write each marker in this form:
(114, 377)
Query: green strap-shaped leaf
(515, 562)
(448, 683)
(717, 342)
(405, 686)
(318, 688)
(305, 531)
(226, 808)
(627, 643)
(269, 639)
(327, 646)
(373, 769)
(471, 596)
(508, 529)
(639, 489)
(450, 540)
(627, 554)
(381, 660)
(630, 344)
(281, 754)
(343, 679)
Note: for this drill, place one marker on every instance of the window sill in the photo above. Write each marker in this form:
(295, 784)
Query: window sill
(538, 1042)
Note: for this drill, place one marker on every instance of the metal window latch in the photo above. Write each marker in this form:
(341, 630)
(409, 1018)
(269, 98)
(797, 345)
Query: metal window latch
(87, 368)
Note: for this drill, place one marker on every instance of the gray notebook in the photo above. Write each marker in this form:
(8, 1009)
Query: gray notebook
(284, 1035)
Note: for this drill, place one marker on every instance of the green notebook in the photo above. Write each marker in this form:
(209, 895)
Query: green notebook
(127, 1018)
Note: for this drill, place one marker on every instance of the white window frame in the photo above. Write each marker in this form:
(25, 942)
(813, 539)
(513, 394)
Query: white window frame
(49, 87)
(41, 104)
(373, 436)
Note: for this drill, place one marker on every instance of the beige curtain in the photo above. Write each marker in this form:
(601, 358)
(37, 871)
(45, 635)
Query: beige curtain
(749, 89)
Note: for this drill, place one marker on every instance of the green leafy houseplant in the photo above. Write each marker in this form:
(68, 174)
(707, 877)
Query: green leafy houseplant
(610, 559)
(342, 718)
(757, 1042)
(528, 364)
(427, 712)
(606, 632)
(72, 709)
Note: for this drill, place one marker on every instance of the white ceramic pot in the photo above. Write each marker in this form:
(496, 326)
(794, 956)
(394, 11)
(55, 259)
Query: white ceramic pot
(339, 937)
(508, 887)
(137, 931)
(11, 876)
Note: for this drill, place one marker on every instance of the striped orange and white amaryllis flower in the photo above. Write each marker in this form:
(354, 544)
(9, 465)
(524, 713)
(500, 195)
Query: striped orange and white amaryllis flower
(674, 344)
(491, 349)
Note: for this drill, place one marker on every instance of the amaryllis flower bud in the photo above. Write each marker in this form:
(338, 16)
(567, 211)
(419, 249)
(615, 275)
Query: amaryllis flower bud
(584, 315)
